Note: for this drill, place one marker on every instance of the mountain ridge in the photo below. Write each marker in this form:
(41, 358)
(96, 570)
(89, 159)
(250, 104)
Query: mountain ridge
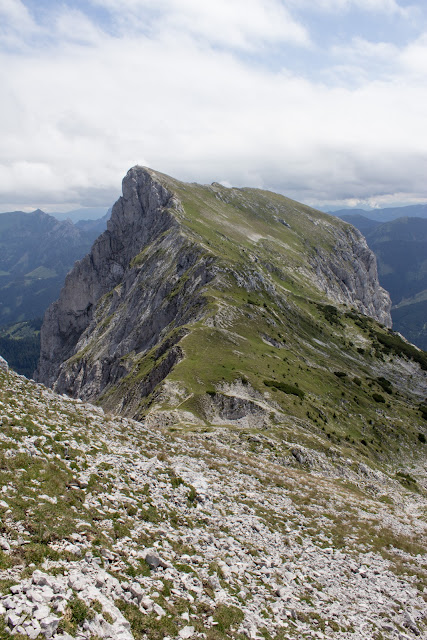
(150, 217)
(203, 305)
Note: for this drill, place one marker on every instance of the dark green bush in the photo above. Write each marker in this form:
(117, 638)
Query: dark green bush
(362, 321)
(385, 384)
(286, 388)
(378, 398)
(331, 313)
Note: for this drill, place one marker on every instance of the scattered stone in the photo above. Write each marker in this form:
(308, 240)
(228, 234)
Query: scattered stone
(249, 545)
(4, 545)
(154, 561)
(409, 623)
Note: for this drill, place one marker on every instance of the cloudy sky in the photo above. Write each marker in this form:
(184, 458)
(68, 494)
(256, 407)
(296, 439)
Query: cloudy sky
(322, 100)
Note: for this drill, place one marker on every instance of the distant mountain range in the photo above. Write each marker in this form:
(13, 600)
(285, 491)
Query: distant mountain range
(400, 246)
(86, 213)
(385, 215)
(36, 253)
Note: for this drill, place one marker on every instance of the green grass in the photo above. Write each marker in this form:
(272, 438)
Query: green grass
(147, 625)
(228, 616)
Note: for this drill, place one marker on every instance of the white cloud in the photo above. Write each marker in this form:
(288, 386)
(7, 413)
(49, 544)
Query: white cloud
(75, 116)
(359, 48)
(414, 57)
(16, 23)
(75, 26)
(14, 14)
(362, 59)
(377, 6)
(240, 24)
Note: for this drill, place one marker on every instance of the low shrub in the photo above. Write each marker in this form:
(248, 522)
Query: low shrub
(384, 384)
(378, 397)
(285, 388)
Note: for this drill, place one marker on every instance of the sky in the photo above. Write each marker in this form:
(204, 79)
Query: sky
(324, 101)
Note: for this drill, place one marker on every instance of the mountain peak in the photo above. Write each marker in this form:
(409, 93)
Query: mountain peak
(223, 306)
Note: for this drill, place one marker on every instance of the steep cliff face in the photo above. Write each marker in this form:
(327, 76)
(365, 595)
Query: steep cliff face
(350, 275)
(198, 300)
(120, 298)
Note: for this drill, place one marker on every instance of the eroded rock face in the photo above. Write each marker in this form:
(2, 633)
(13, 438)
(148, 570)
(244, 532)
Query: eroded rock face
(118, 329)
(138, 216)
(350, 275)
(126, 286)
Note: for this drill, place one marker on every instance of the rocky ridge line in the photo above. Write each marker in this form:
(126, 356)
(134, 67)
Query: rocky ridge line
(150, 278)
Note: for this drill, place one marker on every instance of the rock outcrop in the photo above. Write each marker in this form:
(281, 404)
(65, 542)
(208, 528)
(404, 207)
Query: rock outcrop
(350, 275)
(175, 272)
(130, 274)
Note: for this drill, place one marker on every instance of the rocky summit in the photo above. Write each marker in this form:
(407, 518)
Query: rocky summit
(194, 288)
(233, 444)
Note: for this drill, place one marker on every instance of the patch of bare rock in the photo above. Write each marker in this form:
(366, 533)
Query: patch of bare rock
(165, 534)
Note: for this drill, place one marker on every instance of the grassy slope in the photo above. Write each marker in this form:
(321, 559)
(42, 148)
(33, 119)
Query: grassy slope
(277, 327)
